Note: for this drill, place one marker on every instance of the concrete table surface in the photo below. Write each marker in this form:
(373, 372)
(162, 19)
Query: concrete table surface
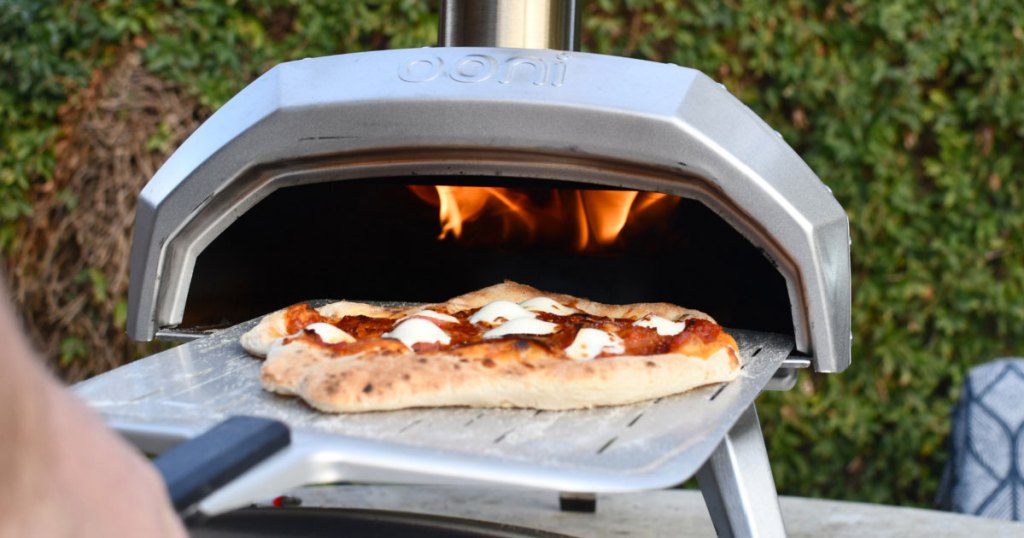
(677, 513)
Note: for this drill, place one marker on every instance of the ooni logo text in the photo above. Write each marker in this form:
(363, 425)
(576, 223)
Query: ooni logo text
(472, 68)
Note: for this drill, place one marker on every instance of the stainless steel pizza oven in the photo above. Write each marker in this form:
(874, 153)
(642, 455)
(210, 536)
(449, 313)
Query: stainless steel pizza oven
(485, 116)
(325, 178)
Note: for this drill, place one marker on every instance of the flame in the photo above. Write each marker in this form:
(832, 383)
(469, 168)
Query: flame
(607, 213)
(583, 233)
(593, 218)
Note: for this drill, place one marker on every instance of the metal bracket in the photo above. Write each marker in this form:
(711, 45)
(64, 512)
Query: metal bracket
(737, 483)
(783, 379)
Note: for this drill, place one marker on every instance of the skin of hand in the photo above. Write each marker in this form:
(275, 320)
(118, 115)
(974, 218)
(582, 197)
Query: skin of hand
(62, 471)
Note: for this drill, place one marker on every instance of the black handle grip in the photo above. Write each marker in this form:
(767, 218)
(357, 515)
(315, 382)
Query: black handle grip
(194, 469)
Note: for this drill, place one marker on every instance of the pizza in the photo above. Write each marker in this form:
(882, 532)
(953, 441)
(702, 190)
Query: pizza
(508, 345)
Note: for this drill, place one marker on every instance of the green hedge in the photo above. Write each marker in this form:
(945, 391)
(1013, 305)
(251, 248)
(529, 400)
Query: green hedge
(911, 111)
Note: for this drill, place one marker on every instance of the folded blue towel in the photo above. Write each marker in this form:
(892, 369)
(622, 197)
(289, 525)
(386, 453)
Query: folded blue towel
(985, 474)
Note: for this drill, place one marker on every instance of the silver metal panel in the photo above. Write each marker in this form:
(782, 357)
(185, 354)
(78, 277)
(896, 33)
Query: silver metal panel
(180, 392)
(504, 112)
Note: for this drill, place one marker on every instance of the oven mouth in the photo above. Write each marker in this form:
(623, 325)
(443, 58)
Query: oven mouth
(378, 239)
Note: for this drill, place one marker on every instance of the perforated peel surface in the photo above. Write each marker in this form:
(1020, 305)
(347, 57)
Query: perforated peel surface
(183, 391)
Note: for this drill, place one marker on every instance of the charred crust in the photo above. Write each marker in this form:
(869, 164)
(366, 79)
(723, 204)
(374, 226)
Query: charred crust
(422, 360)
(368, 388)
(488, 363)
(651, 364)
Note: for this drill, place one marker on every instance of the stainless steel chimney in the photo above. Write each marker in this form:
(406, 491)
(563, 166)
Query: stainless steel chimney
(520, 24)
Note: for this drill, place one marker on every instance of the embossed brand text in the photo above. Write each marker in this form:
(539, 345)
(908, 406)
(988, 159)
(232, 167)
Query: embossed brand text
(470, 68)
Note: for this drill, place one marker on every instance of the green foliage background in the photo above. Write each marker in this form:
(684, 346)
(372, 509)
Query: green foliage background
(912, 111)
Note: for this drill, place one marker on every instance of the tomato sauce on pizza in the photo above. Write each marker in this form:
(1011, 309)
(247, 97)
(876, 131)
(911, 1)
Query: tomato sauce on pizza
(696, 337)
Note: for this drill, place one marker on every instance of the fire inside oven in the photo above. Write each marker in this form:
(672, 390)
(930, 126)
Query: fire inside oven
(428, 239)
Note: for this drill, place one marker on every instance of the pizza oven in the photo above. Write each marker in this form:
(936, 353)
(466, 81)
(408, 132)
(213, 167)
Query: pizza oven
(318, 180)
(416, 175)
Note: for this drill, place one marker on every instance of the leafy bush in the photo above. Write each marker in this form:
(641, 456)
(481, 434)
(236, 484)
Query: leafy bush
(910, 110)
(42, 54)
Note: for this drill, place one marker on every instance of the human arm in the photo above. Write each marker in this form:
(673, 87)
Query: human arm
(62, 471)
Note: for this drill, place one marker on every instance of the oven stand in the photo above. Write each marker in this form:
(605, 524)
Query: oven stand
(737, 483)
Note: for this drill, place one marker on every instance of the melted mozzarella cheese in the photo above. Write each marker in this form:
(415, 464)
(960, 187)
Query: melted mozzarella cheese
(433, 315)
(590, 343)
(498, 310)
(548, 306)
(329, 334)
(417, 331)
(521, 326)
(665, 327)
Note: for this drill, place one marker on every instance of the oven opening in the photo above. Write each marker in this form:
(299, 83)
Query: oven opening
(426, 239)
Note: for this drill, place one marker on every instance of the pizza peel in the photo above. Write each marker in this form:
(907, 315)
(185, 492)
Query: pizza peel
(175, 395)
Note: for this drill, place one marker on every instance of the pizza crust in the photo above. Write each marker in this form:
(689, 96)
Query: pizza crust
(287, 364)
(268, 332)
(399, 382)
(515, 292)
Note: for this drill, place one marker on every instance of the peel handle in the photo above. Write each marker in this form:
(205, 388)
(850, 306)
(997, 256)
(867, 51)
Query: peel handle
(197, 467)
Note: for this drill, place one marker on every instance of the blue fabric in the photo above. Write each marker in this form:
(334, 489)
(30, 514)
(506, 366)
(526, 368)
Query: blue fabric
(986, 472)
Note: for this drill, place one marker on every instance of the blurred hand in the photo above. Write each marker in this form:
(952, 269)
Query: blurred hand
(62, 471)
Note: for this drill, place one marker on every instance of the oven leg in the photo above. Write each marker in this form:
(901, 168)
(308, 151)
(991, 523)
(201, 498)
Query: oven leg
(737, 483)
